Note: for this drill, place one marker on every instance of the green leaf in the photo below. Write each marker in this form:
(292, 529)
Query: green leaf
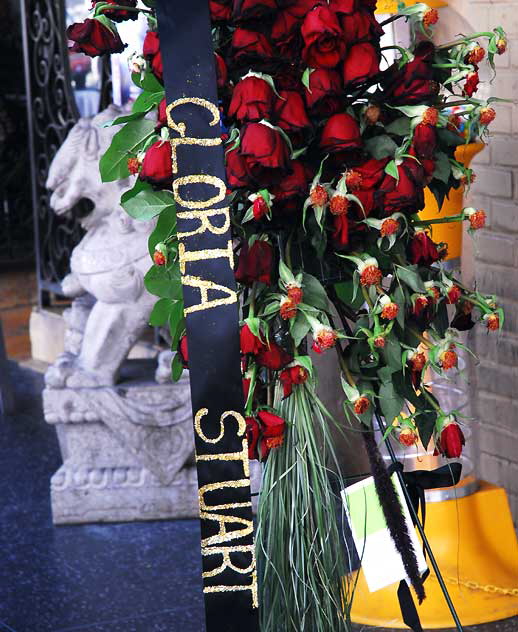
(146, 101)
(160, 312)
(390, 402)
(399, 298)
(125, 119)
(442, 167)
(314, 292)
(392, 170)
(139, 186)
(164, 282)
(148, 204)
(285, 273)
(165, 227)
(392, 352)
(151, 84)
(176, 368)
(128, 141)
(381, 146)
(399, 127)
(410, 276)
(345, 291)
(299, 327)
(176, 323)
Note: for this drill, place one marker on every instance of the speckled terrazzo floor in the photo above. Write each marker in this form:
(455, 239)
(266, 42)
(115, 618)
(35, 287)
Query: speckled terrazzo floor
(142, 577)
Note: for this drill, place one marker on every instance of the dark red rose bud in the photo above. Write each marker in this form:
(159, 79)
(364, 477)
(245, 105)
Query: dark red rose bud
(273, 357)
(414, 82)
(162, 114)
(93, 38)
(290, 112)
(362, 63)
(151, 51)
(345, 7)
(183, 351)
(252, 435)
(250, 46)
(272, 431)
(293, 375)
(236, 169)
(220, 10)
(340, 230)
(471, 85)
(221, 71)
(252, 100)
(285, 31)
(157, 168)
(118, 15)
(360, 26)
(253, 9)
(259, 207)
(451, 441)
(422, 250)
(323, 40)
(255, 263)
(325, 93)
(454, 294)
(405, 195)
(249, 342)
(291, 189)
(425, 141)
(341, 132)
(266, 153)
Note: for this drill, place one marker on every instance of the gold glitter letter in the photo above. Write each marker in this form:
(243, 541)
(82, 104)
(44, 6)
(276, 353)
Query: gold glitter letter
(204, 286)
(204, 218)
(241, 424)
(217, 183)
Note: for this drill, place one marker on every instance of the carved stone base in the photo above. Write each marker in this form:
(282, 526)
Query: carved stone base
(128, 450)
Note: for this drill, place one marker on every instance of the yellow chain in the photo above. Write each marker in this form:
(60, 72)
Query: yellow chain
(474, 585)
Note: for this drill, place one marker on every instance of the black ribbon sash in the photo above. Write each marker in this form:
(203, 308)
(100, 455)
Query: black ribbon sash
(211, 309)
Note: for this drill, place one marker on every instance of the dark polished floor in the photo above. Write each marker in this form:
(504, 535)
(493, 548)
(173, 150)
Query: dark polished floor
(141, 577)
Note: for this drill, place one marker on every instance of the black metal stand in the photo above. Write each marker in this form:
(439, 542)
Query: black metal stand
(420, 528)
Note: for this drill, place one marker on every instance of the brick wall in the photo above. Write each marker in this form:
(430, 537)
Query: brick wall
(492, 261)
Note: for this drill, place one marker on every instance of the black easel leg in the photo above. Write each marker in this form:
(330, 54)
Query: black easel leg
(420, 528)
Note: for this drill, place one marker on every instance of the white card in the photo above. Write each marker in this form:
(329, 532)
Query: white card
(382, 565)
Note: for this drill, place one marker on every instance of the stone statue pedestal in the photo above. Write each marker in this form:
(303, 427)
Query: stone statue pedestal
(128, 450)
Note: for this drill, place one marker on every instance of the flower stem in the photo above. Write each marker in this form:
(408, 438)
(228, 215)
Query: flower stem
(442, 220)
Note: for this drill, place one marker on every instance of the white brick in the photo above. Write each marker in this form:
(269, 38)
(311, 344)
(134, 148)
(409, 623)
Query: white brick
(496, 248)
(504, 150)
(494, 182)
(504, 216)
(499, 411)
(505, 15)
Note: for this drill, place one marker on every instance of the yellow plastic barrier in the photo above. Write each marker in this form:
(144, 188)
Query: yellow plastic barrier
(390, 6)
(450, 233)
(475, 544)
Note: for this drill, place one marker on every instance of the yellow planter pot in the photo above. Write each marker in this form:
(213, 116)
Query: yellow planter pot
(390, 6)
(450, 233)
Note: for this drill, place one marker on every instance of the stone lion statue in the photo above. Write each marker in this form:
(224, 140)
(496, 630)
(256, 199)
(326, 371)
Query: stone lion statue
(111, 306)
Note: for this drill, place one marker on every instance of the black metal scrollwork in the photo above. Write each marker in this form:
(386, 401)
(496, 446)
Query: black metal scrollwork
(52, 112)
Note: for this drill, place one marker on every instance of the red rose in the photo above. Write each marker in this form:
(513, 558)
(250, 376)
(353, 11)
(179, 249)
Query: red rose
(93, 38)
(451, 441)
(236, 168)
(361, 63)
(272, 430)
(424, 141)
(151, 52)
(414, 82)
(118, 15)
(248, 341)
(341, 132)
(407, 194)
(273, 357)
(341, 230)
(220, 10)
(342, 6)
(325, 94)
(324, 46)
(266, 153)
(157, 168)
(252, 100)
(360, 26)
(221, 71)
(422, 250)
(471, 85)
(286, 28)
(253, 9)
(255, 263)
(292, 188)
(290, 113)
(162, 114)
(252, 435)
(183, 351)
(292, 375)
(250, 46)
